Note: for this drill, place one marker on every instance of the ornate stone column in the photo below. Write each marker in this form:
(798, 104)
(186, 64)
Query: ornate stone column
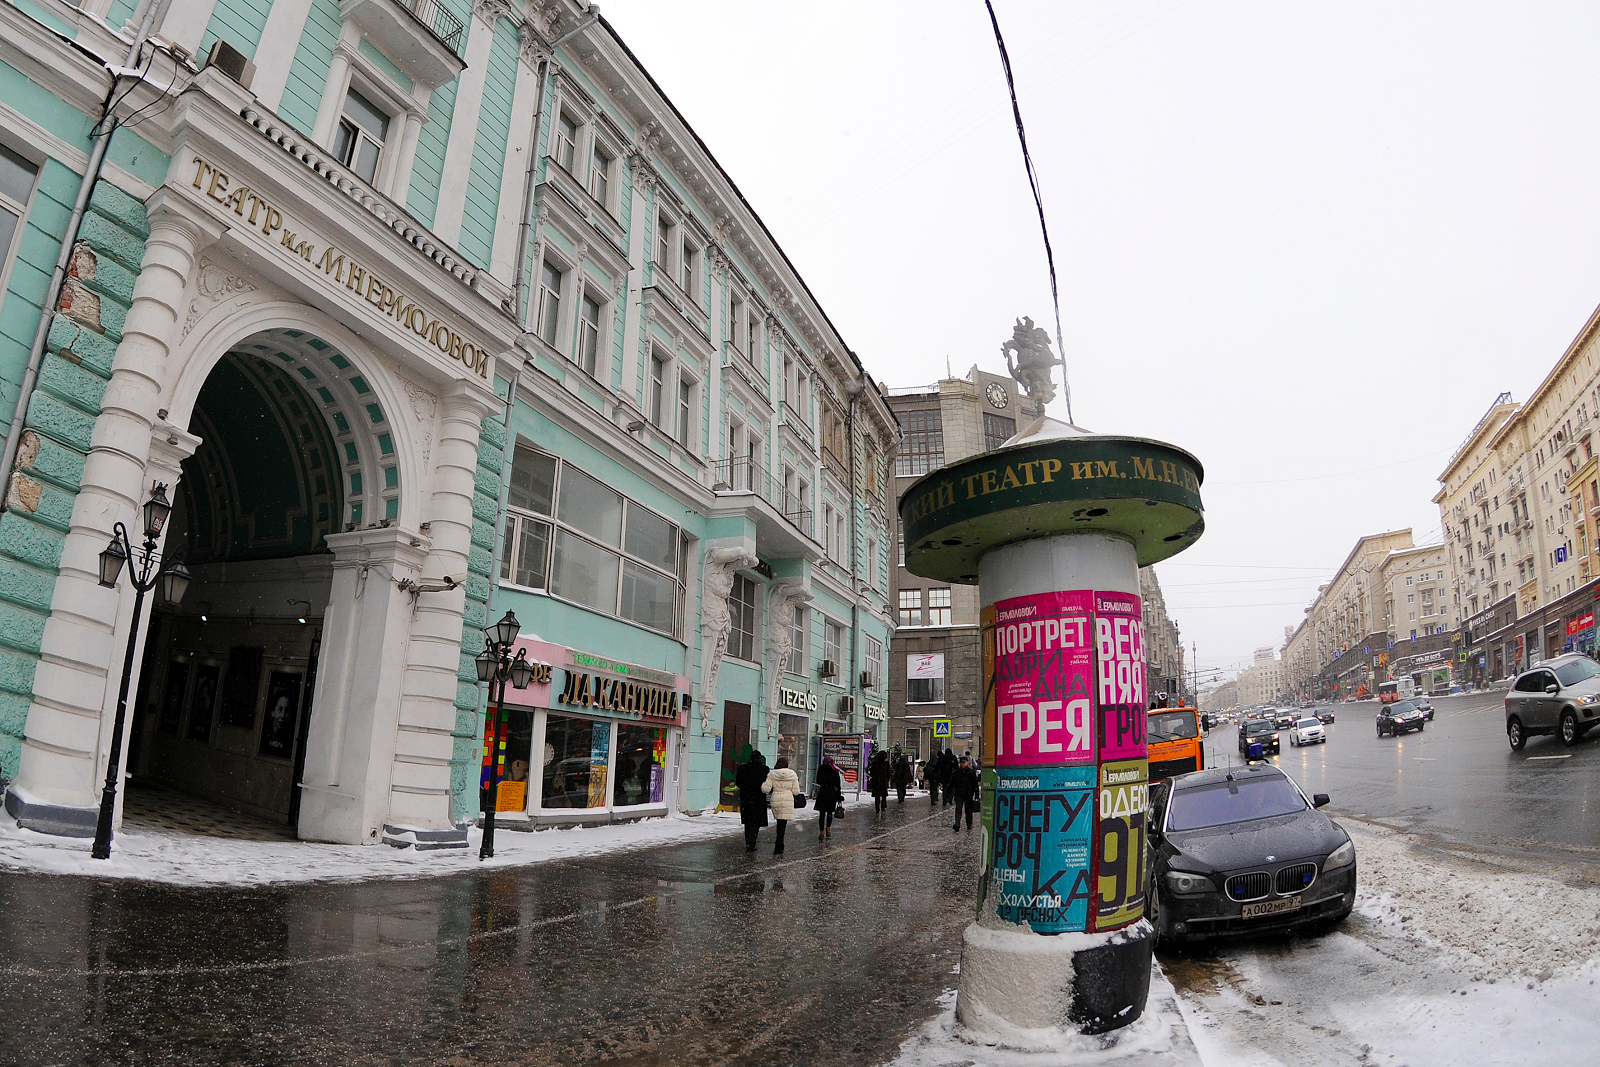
(419, 791)
(715, 619)
(57, 784)
(782, 599)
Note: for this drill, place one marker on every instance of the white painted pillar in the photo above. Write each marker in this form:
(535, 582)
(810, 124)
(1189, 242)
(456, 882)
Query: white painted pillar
(457, 171)
(355, 716)
(519, 155)
(185, 23)
(333, 90)
(280, 40)
(638, 219)
(419, 793)
(59, 774)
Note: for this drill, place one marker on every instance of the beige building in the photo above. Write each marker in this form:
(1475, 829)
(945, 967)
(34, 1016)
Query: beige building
(1263, 681)
(1163, 645)
(1221, 698)
(1342, 645)
(1417, 594)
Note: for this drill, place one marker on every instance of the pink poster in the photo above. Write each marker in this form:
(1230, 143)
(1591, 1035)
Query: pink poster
(1119, 677)
(1042, 709)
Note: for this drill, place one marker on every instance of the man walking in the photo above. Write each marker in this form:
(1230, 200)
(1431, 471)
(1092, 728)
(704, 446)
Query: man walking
(947, 773)
(964, 788)
(752, 801)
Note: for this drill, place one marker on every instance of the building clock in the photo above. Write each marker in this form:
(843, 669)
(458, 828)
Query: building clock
(997, 395)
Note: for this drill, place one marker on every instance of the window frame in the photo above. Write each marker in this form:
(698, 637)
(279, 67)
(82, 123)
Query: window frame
(516, 519)
(736, 605)
(947, 608)
(558, 139)
(910, 600)
(544, 323)
(8, 255)
(383, 106)
(799, 657)
(598, 147)
(589, 362)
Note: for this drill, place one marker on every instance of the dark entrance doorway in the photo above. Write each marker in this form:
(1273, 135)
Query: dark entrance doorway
(229, 675)
(735, 736)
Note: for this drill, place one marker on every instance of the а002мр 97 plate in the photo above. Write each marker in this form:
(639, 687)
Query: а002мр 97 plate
(1269, 907)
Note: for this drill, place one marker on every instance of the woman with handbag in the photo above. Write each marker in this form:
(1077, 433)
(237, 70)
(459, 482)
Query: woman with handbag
(781, 786)
(830, 795)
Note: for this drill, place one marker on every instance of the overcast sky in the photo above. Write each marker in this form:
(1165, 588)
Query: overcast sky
(1309, 243)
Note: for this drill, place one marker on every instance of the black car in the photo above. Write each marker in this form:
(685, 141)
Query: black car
(1325, 715)
(1425, 706)
(1243, 851)
(1262, 731)
(1401, 717)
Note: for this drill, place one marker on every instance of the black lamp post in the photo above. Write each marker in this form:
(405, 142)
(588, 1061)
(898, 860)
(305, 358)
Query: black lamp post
(174, 582)
(496, 665)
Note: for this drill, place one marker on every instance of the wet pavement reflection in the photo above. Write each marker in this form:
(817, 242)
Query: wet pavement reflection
(692, 954)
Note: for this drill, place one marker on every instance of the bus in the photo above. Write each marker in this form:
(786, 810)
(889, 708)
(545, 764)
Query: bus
(1399, 689)
(1173, 735)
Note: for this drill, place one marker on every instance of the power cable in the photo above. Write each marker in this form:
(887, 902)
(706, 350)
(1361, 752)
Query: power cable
(1038, 203)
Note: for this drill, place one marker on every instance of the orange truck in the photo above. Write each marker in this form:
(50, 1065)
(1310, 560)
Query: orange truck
(1173, 735)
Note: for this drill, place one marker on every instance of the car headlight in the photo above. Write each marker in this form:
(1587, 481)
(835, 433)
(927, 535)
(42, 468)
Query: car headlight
(1592, 698)
(1181, 882)
(1343, 856)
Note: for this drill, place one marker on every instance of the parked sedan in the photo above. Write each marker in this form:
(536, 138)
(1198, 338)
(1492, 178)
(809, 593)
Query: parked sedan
(1560, 696)
(1401, 717)
(1258, 731)
(1244, 851)
(1308, 731)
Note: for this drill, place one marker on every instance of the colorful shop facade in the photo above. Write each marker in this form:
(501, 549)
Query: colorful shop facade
(414, 322)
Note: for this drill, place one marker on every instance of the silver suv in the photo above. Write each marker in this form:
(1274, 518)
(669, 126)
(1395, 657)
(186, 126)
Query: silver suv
(1559, 696)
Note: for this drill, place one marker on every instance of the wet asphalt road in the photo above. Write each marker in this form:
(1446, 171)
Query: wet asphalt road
(1456, 781)
(694, 954)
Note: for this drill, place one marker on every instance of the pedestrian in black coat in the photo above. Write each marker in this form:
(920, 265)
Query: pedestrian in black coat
(901, 776)
(946, 772)
(878, 774)
(830, 795)
(752, 801)
(964, 787)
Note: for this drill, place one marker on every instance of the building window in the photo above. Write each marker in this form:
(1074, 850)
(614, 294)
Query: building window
(1408, 579)
(16, 188)
(736, 323)
(658, 387)
(872, 562)
(600, 175)
(925, 678)
(752, 338)
(874, 660)
(685, 408)
(997, 430)
(833, 644)
(742, 609)
(689, 271)
(939, 607)
(839, 536)
(910, 607)
(797, 642)
(566, 141)
(358, 143)
(582, 541)
(901, 540)
(549, 302)
(588, 333)
(666, 234)
(923, 449)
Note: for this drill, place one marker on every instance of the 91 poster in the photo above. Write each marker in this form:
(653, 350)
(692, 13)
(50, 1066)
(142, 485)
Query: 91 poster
(1124, 786)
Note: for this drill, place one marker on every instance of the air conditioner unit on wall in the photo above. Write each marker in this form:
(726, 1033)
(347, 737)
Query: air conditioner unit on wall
(866, 680)
(829, 669)
(847, 705)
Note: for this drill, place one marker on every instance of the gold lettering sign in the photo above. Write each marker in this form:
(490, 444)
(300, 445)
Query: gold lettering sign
(620, 694)
(339, 268)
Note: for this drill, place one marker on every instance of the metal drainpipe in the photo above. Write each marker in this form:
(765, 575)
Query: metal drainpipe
(91, 177)
(854, 389)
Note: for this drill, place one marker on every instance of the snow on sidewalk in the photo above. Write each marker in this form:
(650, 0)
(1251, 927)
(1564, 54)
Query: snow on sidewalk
(190, 859)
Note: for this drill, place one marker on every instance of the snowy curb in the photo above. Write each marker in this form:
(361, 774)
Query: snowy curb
(191, 859)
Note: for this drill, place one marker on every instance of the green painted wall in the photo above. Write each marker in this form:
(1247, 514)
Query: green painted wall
(309, 72)
(239, 22)
(60, 420)
(489, 150)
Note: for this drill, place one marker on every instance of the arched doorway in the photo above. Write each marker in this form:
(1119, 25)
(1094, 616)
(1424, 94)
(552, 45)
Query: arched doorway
(294, 447)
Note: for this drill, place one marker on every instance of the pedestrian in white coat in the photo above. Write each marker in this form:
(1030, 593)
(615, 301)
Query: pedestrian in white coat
(782, 784)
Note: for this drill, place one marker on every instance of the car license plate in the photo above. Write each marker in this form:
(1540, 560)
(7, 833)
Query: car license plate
(1270, 907)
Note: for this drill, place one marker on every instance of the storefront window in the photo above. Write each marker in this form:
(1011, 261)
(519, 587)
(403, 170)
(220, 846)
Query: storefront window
(641, 765)
(576, 752)
(792, 733)
(515, 753)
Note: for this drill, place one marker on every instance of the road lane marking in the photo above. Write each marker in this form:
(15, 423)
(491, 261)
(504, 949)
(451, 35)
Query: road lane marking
(1566, 755)
(1424, 759)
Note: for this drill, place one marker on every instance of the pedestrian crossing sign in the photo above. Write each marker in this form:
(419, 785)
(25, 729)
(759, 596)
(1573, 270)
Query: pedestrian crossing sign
(941, 728)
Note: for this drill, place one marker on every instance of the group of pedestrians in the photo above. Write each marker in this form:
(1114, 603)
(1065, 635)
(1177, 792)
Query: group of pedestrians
(777, 787)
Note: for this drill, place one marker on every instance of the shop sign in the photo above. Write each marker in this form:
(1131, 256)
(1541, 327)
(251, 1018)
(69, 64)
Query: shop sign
(875, 713)
(620, 694)
(1581, 623)
(797, 698)
(342, 271)
(631, 670)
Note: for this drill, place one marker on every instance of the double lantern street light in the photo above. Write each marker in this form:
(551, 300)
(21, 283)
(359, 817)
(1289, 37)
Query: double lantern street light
(495, 664)
(174, 582)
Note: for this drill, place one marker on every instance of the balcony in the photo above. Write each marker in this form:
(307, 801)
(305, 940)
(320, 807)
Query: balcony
(783, 521)
(423, 38)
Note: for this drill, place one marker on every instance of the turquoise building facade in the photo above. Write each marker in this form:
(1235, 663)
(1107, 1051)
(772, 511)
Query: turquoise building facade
(422, 312)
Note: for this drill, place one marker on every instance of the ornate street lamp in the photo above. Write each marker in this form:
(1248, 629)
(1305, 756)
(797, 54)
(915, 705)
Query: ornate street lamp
(495, 664)
(174, 583)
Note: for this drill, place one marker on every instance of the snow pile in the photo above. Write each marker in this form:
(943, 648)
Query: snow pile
(1159, 1036)
(188, 859)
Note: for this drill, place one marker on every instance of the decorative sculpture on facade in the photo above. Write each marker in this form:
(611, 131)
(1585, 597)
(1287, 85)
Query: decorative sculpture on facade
(716, 619)
(782, 599)
(1030, 361)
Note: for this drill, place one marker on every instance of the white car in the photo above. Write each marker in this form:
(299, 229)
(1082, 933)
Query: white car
(1308, 732)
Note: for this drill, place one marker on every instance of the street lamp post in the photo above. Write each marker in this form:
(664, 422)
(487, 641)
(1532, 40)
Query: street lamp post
(495, 664)
(174, 582)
